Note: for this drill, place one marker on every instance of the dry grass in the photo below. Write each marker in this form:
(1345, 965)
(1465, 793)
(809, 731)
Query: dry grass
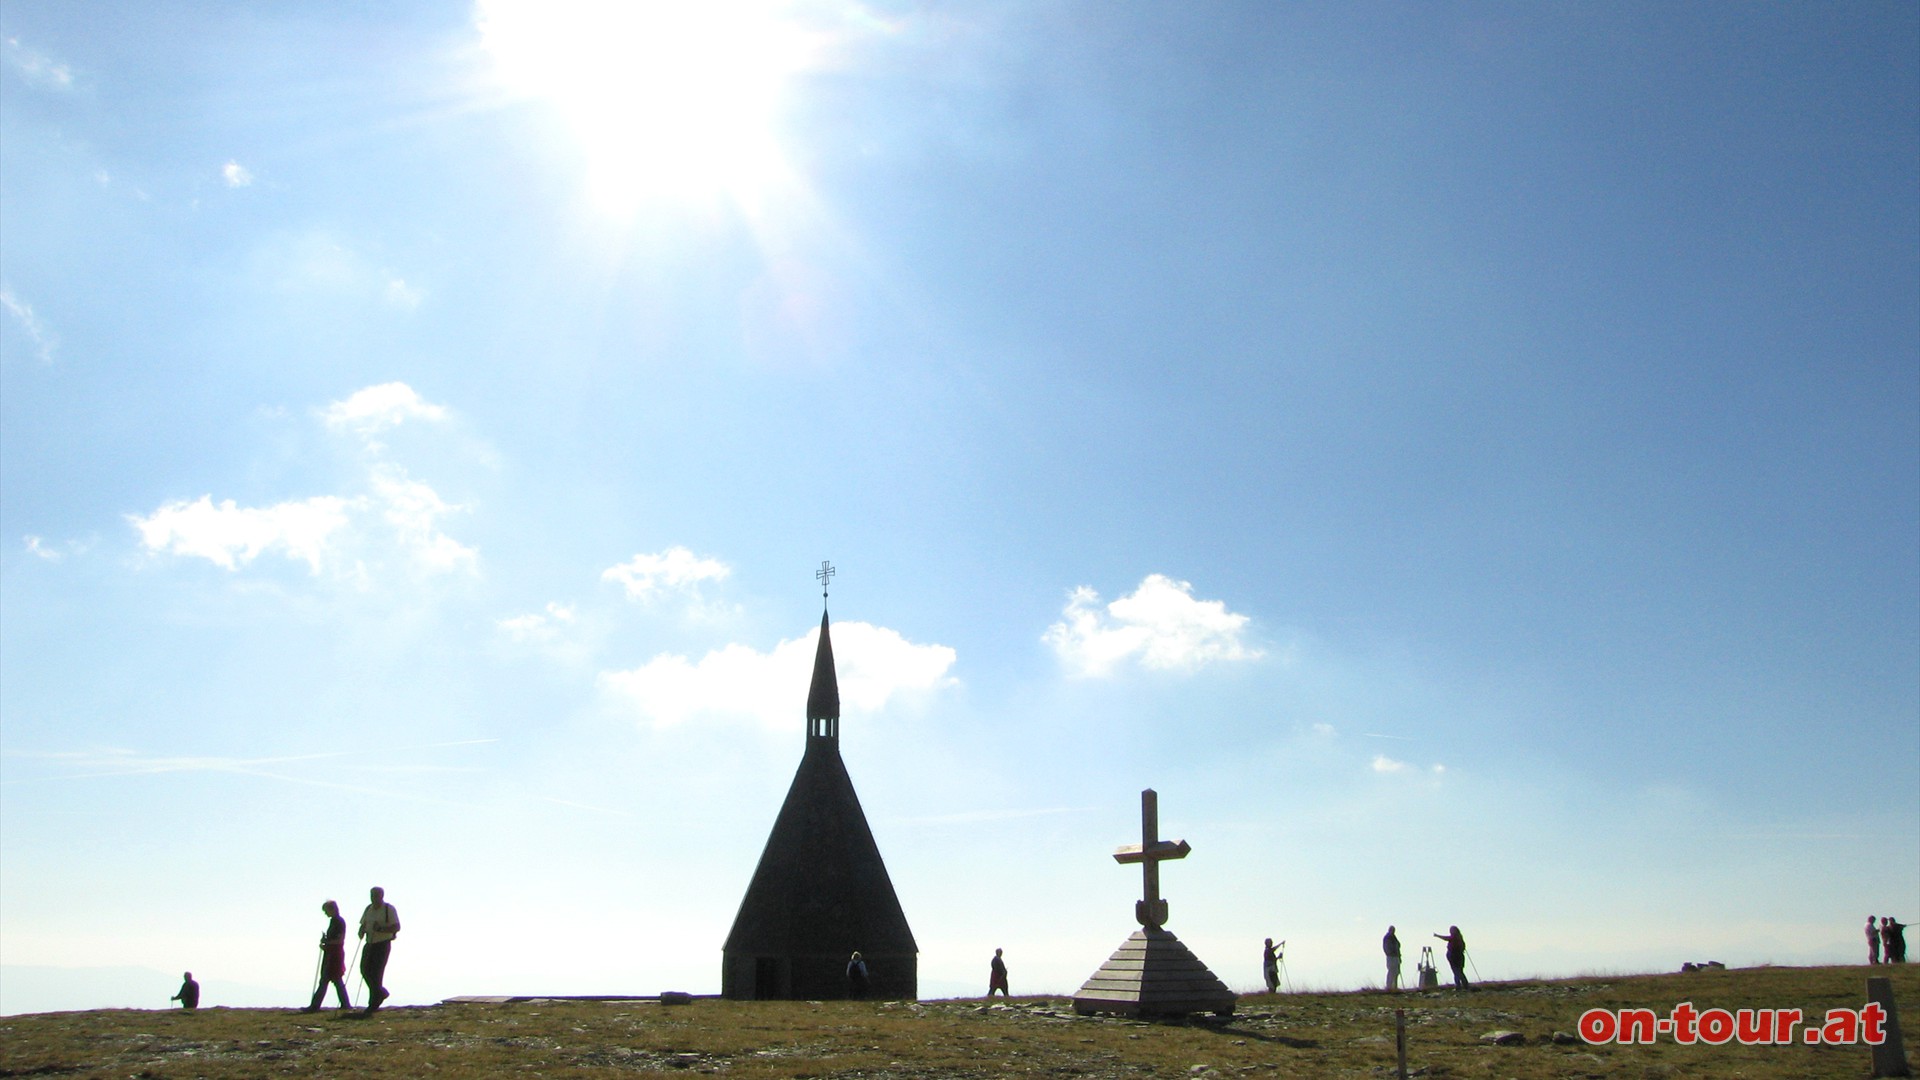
(1295, 1035)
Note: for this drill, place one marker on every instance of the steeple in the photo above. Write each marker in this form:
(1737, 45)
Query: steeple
(821, 891)
(823, 698)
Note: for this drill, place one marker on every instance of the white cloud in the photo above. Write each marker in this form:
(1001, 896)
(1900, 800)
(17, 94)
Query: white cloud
(1161, 626)
(414, 511)
(38, 546)
(236, 174)
(538, 626)
(37, 69)
(1384, 764)
(229, 535)
(44, 339)
(377, 408)
(646, 576)
(739, 682)
(402, 295)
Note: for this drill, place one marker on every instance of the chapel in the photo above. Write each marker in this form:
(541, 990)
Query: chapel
(821, 891)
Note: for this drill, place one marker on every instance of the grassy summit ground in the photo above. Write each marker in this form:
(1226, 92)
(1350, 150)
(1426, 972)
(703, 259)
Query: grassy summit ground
(1293, 1035)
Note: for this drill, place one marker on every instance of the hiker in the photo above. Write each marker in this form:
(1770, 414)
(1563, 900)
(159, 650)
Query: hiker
(1873, 941)
(333, 959)
(189, 995)
(1456, 956)
(1270, 967)
(997, 976)
(1390, 945)
(1893, 933)
(378, 925)
(856, 977)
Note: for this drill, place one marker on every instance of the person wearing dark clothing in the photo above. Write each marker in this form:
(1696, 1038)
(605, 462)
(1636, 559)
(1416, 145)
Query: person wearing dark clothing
(1270, 967)
(997, 976)
(856, 977)
(1391, 946)
(1894, 933)
(1456, 955)
(189, 995)
(333, 959)
(378, 925)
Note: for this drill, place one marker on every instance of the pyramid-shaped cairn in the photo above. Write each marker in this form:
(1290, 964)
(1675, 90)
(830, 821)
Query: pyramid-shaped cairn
(1152, 973)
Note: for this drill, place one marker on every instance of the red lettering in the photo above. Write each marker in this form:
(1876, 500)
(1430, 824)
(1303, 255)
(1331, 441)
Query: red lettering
(1873, 1019)
(1784, 1021)
(1842, 1026)
(1598, 1025)
(1716, 1026)
(1638, 1025)
(1683, 1018)
(1756, 1026)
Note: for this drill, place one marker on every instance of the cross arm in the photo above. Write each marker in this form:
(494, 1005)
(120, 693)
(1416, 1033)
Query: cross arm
(1164, 849)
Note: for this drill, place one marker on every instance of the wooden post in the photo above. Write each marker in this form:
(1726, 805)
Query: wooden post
(1890, 1057)
(1400, 1039)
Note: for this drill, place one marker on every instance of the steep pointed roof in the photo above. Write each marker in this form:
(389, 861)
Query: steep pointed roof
(821, 888)
(823, 698)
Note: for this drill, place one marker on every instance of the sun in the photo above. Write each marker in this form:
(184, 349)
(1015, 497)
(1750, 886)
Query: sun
(674, 99)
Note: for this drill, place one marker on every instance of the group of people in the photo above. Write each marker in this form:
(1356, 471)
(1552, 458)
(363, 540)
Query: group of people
(1456, 957)
(1888, 939)
(379, 924)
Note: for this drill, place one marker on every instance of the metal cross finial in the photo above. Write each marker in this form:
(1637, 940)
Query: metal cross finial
(824, 576)
(1150, 910)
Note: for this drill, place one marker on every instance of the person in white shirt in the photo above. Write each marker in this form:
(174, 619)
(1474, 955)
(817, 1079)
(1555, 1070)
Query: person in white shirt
(378, 925)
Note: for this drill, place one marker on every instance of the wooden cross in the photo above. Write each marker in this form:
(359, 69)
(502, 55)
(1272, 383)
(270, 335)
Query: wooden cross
(823, 576)
(1151, 911)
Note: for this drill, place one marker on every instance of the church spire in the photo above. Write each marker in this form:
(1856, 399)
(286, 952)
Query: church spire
(823, 698)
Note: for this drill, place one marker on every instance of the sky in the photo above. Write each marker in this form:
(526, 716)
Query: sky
(1464, 456)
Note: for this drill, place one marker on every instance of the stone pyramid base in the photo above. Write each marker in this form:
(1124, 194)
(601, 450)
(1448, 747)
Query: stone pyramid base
(1152, 974)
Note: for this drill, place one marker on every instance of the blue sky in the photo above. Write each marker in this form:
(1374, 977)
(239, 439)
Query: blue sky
(1466, 457)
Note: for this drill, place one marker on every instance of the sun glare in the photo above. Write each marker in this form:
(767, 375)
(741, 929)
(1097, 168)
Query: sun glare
(668, 99)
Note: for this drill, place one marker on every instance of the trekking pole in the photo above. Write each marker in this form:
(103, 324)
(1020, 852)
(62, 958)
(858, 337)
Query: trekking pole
(1475, 967)
(360, 978)
(316, 972)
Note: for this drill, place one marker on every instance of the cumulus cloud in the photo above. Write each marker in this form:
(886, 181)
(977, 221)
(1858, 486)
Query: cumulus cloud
(414, 511)
(394, 518)
(647, 576)
(538, 626)
(229, 535)
(236, 174)
(738, 682)
(44, 339)
(37, 69)
(1159, 626)
(376, 408)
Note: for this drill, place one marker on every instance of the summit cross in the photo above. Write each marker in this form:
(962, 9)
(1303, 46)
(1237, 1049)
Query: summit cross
(1150, 910)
